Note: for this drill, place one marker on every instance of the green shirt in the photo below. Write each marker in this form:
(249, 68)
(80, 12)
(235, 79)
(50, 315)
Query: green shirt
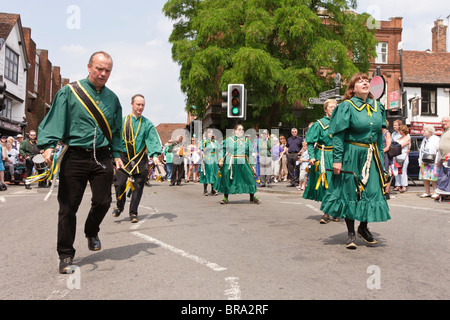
(318, 133)
(145, 135)
(69, 121)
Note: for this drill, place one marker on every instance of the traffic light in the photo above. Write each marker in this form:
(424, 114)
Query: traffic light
(2, 93)
(236, 101)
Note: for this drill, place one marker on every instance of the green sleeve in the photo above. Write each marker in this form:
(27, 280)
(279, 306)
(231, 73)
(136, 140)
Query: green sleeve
(312, 136)
(152, 141)
(116, 130)
(53, 127)
(340, 122)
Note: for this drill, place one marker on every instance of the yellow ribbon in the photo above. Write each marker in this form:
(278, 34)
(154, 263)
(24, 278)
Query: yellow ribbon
(322, 177)
(128, 186)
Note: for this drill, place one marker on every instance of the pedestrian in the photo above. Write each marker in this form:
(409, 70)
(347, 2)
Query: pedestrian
(236, 173)
(140, 141)
(400, 162)
(210, 153)
(194, 159)
(87, 117)
(320, 149)
(3, 157)
(293, 147)
(357, 187)
(177, 150)
(265, 159)
(428, 161)
(277, 152)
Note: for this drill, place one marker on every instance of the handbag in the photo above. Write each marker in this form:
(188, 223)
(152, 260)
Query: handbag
(395, 149)
(428, 158)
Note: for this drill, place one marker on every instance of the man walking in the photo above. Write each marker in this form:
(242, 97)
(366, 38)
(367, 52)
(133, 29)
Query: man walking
(87, 117)
(140, 140)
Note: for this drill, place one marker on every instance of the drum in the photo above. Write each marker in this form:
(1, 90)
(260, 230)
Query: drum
(39, 162)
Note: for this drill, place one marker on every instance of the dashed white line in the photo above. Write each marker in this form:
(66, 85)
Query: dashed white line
(180, 252)
(233, 292)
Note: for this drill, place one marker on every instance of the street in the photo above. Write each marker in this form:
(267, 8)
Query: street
(189, 247)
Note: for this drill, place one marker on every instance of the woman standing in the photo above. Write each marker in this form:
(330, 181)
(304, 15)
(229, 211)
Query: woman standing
(194, 159)
(428, 161)
(357, 187)
(283, 160)
(321, 157)
(236, 174)
(209, 167)
(402, 160)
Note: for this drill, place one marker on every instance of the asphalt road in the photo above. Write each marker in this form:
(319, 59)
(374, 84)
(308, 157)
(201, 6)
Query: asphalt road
(189, 247)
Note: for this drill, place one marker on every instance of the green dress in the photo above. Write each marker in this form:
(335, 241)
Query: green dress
(209, 166)
(356, 129)
(319, 133)
(236, 174)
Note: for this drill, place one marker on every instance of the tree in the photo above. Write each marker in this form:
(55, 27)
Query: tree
(284, 51)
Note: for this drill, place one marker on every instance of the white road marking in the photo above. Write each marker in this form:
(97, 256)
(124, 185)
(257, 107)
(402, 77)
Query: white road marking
(233, 292)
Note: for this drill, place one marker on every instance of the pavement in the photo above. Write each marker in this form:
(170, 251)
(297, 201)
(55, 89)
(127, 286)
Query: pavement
(282, 187)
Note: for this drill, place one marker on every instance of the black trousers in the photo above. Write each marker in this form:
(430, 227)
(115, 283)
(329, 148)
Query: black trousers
(120, 184)
(177, 171)
(293, 168)
(77, 168)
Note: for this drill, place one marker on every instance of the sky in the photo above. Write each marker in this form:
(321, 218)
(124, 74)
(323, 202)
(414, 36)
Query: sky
(135, 33)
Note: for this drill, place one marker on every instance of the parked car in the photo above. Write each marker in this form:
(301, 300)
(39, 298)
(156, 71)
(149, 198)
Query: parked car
(413, 166)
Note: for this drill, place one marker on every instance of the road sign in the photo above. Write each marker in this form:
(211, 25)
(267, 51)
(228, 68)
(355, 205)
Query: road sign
(317, 100)
(377, 87)
(394, 99)
(327, 94)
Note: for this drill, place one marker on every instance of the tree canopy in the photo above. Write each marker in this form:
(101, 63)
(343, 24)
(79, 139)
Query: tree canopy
(284, 51)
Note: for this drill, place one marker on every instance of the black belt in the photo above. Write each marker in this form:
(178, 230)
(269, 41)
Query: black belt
(86, 150)
(294, 152)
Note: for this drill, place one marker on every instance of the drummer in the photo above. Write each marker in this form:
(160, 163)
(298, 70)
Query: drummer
(28, 150)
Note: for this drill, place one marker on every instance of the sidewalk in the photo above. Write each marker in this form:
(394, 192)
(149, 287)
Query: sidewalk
(282, 188)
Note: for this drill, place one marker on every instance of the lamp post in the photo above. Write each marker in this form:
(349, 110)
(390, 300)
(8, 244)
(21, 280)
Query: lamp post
(404, 107)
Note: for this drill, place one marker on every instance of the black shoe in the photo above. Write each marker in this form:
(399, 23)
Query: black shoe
(116, 212)
(351, 241)
(205, 194)
(214, 193)
(365, 234)
(65, 265)
(290, 185)
(94, 243)
(134, 218)
(325, 219)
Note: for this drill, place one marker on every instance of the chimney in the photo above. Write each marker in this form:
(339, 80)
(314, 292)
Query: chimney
(439, 36)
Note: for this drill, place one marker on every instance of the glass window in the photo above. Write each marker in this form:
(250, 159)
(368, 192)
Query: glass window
(382, 53)
(7, 111)
(429, 106)
(11, 65)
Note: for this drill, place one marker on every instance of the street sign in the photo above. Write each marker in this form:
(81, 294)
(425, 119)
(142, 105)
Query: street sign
(394, 99)
(377, 87)
(328, 94)
(317, 100)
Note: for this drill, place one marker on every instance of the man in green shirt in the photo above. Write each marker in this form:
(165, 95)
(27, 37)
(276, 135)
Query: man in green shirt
(140, 140)
(88, 157)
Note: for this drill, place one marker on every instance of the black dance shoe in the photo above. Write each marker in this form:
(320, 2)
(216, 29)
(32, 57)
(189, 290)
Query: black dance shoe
(365, 234)
(94, 243)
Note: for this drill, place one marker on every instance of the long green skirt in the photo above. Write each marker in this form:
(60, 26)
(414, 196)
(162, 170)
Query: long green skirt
(310, 191)
(342, 199)
(208, 174)
(239, 179)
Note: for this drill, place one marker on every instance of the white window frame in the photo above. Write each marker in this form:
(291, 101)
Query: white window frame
(382, 53)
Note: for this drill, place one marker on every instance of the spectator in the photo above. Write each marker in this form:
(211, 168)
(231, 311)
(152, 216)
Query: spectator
(401, 168)
(277, 152)
(443, 181)
(194, 160)
(429, 169)
(169, 157)
(3, 156)
(19, 139)
(304, 162)
(265, 159)
(293, 148)
(11, 160)
(283, 160)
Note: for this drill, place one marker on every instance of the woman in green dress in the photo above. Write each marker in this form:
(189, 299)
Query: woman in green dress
(358, 184)
(236, 174)
(208, 174)
(320, 151)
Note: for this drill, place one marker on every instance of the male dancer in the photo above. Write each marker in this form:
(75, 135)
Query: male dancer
(140, 140)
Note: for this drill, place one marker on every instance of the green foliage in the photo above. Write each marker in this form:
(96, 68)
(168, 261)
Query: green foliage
(278, 48)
